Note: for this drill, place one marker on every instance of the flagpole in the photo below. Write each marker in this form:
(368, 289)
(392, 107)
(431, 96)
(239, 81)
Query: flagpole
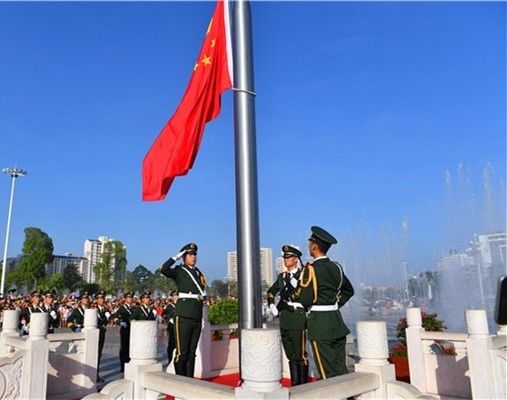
(247, 209)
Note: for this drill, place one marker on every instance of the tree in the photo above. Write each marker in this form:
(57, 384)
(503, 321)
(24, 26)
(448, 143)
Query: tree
(141, 273)
(71, 277)
(110, 271)
(224, 312)
(219, 288)
(91, 288)
(158, 283)
(55, 282)
(37, 252)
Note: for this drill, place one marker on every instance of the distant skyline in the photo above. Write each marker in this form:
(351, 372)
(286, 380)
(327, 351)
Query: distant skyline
(369, 116)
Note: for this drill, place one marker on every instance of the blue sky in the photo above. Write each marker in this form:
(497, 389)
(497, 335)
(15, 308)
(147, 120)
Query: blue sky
(361, 108)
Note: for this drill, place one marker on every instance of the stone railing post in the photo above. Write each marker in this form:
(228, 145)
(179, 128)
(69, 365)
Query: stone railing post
(373, 352)
(90, 349)
(35, 365)
(479, 362)
(498, 356)
(9, 328)
(143, 355)
(203, 354)
(261, 365)
(416, 363)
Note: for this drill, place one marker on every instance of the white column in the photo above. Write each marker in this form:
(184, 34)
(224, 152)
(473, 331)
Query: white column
(35, 368)
(143, 355)
(10, 328)
(90, 348)
(203, 354)
(374, 351)
(479, 362)
(415, 352)
(261, 365)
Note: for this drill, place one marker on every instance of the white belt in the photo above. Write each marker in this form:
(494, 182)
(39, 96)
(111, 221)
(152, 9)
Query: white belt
(295, 305)
(189, 296)
(327, 307)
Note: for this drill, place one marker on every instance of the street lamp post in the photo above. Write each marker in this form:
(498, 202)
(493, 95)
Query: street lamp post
(14, 173)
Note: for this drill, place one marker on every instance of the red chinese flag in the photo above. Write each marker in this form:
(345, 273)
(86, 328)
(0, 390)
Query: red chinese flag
(174, 151)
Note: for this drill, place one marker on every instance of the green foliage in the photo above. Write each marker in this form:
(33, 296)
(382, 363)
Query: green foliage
(224, 312)
(430, 323)
(91, 288)
(56, 282)
(71, 277)
(111, 270)
(141, 273)
(157, 283)
(37, 252)
(219, 288)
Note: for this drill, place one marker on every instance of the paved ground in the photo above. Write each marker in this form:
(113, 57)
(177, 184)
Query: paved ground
(110, 363)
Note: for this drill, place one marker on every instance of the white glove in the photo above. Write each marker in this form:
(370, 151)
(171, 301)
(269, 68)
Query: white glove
(179, 255)
(53, 314)
(25, 328)
(274, 310)
(154, 312)
(123, 324)
(107, 314)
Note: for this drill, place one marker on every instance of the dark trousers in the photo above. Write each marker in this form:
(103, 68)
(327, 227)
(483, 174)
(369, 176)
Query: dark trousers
(124, 346)
(329, 356)
(171, 342)
(294, 345)
(187, 333)
(102, 339)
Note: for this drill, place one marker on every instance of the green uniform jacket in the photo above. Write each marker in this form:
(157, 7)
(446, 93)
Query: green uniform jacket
(324, 276)
(75, 320)
(292, 320)
(143, 314)
(124, 314)
(102, 318)
(187, 308)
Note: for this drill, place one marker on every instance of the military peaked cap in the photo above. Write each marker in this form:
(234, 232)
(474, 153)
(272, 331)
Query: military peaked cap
(50, 293)
(146, 293)
(128, 294)
(84, 295)
(319, 234)
(290, 251)
(100, 293)
(190, 248)
(36, 293)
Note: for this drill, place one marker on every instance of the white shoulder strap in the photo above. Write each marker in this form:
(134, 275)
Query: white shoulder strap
(341, 275)
(202, 292)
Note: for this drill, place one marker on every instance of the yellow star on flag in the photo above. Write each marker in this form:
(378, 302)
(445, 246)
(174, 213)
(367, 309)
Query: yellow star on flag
(206, 60)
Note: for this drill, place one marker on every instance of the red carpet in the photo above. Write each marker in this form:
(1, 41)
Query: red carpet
(233, 381)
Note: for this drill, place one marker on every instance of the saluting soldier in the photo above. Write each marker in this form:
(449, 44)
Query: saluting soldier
(75, 321)
(144, 312)
(50, 307)
(191, 285)
(103, 317)
(170, 313)
(292, 315)
(324, 288)
(124, 316)
(25, 314)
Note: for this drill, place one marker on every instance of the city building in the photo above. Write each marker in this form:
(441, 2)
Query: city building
(60, 262)
(93, 250)
(280, 266)
(266, 258)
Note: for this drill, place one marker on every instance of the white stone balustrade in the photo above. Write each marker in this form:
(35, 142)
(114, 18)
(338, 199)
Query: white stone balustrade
(10, 329)
(415, 349)
(373, 352)
(143, 356)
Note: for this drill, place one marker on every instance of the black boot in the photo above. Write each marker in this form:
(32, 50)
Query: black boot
(180, 367)
(190, 367)
(303, 374)
(294, 377)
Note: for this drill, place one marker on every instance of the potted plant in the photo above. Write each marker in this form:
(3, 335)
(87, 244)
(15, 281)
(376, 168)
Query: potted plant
(221, 313)
(399, 356)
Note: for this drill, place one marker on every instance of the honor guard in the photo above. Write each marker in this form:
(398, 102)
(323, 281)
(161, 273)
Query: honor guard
(292, 315)
(144, 312)
(324, 288)
(25, 314)
(169, 313)
(50, 307)
(191, 286)
(124, 315)
(75, 321)
(103, 317)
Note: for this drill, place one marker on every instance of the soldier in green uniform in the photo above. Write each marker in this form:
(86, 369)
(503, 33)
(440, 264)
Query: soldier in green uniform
(49, 307)
(191, 285)
(75, 321)
(169, 314)
(144, 312)
(292, 315)
(324, 288)
(25, 314)
(124, 315)
(103, 317)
